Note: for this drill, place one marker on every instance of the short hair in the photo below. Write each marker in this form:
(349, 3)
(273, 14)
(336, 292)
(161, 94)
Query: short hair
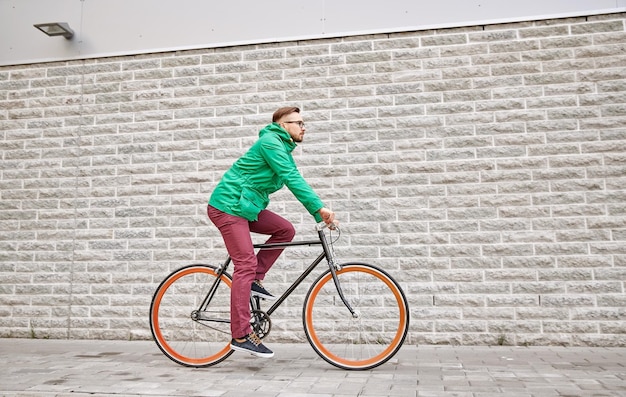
(282, 112)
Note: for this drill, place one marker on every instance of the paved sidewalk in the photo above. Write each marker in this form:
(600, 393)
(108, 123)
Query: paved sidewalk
(61, 368)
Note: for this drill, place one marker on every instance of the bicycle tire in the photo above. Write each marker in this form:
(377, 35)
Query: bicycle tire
(183, 339)
(356, 343)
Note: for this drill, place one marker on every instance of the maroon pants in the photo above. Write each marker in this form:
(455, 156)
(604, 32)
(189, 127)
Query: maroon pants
(248, 265)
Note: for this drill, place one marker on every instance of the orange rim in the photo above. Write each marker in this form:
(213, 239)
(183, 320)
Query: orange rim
(155, 319)
(395, 342)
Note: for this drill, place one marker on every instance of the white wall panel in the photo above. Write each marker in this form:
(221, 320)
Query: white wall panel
(122, 27)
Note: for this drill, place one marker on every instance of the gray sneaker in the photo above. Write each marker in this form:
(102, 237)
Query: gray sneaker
(252, 345)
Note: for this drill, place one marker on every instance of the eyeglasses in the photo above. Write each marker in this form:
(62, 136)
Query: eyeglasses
(300, 123)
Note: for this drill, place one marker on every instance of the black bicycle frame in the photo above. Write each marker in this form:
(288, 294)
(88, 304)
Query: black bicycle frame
(325, 254)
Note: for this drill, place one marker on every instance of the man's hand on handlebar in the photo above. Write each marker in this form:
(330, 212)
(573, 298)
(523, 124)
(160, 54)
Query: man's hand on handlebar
(328, 217)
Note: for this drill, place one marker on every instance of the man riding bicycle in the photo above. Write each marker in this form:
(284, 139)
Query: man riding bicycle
(237, 207)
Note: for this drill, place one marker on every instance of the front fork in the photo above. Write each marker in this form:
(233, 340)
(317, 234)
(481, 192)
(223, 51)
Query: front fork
(334, 268)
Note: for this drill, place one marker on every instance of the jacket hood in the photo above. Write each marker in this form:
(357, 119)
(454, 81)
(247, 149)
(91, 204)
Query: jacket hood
(275, 128)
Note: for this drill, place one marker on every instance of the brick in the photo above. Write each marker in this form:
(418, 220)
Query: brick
(597, 27)
(544, 31)
(443, 40)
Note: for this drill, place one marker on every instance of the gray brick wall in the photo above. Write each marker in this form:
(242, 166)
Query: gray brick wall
(484, 167)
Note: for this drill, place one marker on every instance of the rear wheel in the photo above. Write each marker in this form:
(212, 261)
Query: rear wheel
(374, 335)
(185, 335)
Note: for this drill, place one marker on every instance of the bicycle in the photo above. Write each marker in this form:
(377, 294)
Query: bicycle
(355, 315)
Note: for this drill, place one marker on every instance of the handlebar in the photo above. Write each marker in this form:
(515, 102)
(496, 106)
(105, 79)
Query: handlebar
(323, 225)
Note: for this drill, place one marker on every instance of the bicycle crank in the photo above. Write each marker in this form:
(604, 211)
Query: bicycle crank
(261, 323)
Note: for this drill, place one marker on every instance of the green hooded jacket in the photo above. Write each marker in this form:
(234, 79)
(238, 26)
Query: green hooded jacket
(265, 168)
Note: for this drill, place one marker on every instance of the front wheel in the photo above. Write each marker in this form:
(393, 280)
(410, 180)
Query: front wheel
(184, 331)
(368, 339)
